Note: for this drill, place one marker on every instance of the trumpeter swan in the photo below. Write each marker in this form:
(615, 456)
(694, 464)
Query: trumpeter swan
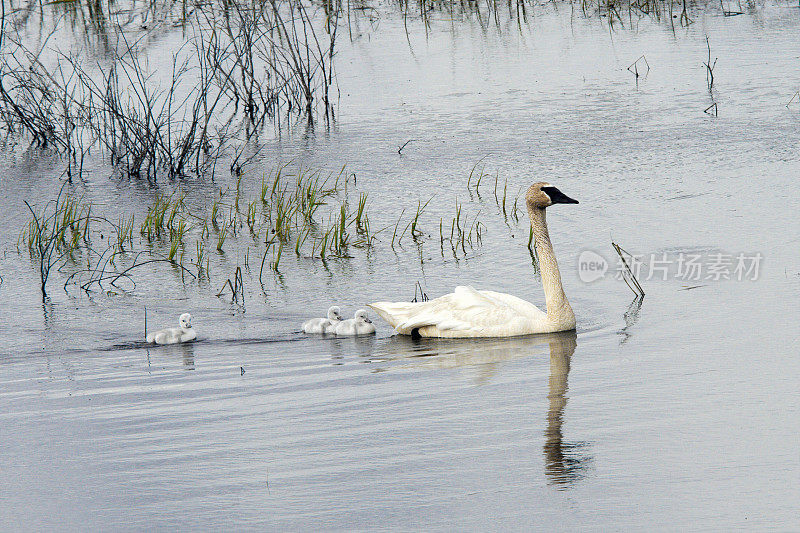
(324, 325)
(471, 313)
(184, 333)
(360, 324)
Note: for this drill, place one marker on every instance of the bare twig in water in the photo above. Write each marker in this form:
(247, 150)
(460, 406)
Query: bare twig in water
(423, 297)
(685, 20)
(709, 67)
(236, 287)
(634, 67)
(728, 12)
(627, 274)
(400, 150)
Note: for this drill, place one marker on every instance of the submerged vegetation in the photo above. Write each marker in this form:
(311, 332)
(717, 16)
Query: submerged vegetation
(242, 65)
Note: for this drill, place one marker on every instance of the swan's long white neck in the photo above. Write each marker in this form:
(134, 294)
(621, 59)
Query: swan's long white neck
(558, 309)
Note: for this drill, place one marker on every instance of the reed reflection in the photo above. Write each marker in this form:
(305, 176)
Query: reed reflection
(631, 317)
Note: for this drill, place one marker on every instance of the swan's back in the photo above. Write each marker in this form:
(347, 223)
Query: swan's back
(465, 313)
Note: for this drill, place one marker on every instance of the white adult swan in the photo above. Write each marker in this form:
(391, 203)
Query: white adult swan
(324, 325)
(471, 313)
(360, 324)
(184, 333)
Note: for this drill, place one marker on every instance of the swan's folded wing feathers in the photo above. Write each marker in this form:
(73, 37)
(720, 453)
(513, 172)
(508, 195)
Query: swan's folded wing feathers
(518, 304)
(393, 313)
(465, 297)
(439, 320)
(455, 325)
(463, 310)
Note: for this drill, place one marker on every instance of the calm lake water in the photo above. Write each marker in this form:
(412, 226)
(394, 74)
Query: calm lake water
(680, 412)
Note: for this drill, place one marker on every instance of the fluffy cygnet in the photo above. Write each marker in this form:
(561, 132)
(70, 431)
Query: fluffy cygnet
(360, 324)
(184, 333)
(324, 325)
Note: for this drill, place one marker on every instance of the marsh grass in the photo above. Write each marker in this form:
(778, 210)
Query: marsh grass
(222, 235)
(243, 65)
(361, 218)
(415, 231)
(152, 226)
(318, 215)
(476, 176)
(396, 227)
(177, 233)
(63, 229)
(56, 231)
(124, 230)
(200, 245)
(276, 258)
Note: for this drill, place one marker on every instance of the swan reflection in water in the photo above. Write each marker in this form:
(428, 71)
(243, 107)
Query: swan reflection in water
(187, 355)
(184, 350)
(565, 462)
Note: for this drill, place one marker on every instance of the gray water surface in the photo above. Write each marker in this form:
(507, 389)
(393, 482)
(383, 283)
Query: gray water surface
(679, 412)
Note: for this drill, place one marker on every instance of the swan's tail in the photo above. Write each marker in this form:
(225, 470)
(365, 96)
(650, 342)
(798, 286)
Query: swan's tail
(395, 313)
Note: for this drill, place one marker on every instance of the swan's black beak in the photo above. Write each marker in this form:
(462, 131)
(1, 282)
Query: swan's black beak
(558, 197)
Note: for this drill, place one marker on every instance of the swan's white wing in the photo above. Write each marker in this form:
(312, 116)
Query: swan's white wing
(521, 306)
(463, 309)
(465, 312)
(405, 316)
